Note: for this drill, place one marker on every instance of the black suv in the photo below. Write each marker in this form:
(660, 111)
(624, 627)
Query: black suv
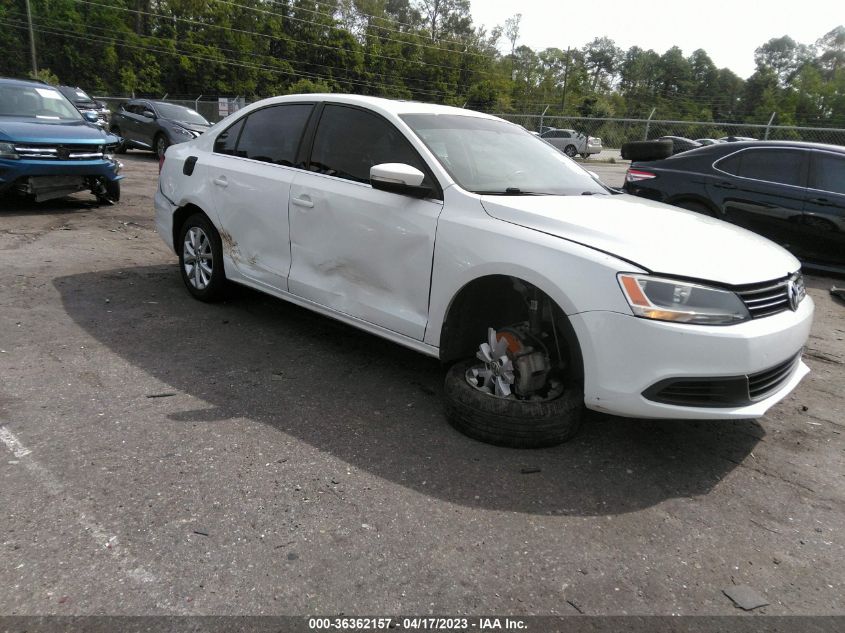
(791, 192)
(155, 125)
(82, 102)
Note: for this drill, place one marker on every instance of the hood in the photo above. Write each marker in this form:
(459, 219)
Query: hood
(85, 105)
(29, 131)
(655, 236)
(199, 128)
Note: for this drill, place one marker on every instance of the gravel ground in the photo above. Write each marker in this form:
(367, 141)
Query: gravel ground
(170, 457)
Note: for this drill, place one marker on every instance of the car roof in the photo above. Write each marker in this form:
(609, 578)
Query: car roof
(9, 81)
(796, 144)
(378, 104)
(718, 151)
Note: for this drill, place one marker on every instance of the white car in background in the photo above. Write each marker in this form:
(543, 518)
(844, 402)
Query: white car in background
(572, 143)
(466, 238)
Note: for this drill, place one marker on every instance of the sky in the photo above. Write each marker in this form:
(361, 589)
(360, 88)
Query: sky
(728, 30)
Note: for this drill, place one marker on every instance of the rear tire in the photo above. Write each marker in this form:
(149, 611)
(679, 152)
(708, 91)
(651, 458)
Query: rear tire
(160, 145)
(646, 150)
(199, 246)
(510, 422)
(570, 151)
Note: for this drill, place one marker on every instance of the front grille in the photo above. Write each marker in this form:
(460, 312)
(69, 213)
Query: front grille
(60, 152)
(731, 391)
(765, 383)
(770, 297)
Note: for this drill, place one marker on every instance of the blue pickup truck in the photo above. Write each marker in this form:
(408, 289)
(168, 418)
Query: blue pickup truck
(49, 150)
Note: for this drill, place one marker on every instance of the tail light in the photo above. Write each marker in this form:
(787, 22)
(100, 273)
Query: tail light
(635, 175)
(160, 163)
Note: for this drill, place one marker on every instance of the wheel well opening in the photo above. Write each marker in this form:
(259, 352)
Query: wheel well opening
(179, 217)
(501, 300)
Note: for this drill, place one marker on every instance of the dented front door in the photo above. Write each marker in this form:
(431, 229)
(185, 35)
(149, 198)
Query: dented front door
(363, 252)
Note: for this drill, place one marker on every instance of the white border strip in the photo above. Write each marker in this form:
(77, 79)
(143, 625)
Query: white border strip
(13, 443)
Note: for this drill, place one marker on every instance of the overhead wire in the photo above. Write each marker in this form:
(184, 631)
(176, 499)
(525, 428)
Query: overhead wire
(286, 39)
(288, 17)
(272, 57)
(292, 72)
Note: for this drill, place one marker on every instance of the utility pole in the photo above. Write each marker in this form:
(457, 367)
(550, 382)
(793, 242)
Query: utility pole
(769, 125)
(565, 76)
(648, 123)
(31, 41)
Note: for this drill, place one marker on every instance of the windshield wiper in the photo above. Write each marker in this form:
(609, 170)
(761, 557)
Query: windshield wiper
(511, 191)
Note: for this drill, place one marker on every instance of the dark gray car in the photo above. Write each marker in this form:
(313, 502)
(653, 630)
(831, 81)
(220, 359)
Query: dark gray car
(155, 125)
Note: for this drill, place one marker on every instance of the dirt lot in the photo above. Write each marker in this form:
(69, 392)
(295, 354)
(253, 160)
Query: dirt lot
(166, 456)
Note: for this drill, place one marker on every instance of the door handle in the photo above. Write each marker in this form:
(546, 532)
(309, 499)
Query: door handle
(303, 202)
(220, 181)
(726, 185)
(822, 202)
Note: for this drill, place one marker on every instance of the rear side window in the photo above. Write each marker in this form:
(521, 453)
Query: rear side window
(828, 173)
(226, 141)
(272, 134)
(350, 141)
(782, 166)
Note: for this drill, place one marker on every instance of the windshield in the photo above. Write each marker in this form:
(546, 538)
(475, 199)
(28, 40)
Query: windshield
(180, 113)
(489, 156)
(77, 95)
(41, 103)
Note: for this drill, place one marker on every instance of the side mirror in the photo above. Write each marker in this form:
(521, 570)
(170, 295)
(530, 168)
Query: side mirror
(149, 114)
(91, 117)
(399, 178)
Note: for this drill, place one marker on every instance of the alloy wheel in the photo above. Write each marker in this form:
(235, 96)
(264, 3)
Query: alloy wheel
(197, 258)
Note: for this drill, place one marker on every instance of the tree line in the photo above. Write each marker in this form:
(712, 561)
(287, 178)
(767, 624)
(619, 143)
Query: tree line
(428, 50)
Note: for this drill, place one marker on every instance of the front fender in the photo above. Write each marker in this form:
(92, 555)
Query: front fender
(472, 246)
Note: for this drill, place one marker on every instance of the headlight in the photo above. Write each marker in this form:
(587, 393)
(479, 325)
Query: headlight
(7, 150)
(184, 132)
(680, 301)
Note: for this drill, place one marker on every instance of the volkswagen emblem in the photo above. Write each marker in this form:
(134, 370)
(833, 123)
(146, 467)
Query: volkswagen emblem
(63, 153)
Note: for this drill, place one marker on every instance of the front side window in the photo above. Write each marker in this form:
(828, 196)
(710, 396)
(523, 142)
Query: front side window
(349, 141)
(490, 156)
(272, 134)
(781, 166)
(828, 173)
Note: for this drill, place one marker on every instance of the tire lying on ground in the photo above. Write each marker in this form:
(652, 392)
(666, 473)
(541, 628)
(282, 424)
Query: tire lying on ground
(646, 150)
(507, 421)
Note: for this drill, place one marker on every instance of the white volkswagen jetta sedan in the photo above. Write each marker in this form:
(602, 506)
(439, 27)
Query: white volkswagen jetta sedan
(466, 238)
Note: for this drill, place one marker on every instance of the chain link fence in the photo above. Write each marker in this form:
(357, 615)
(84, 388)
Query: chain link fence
(615, 132)
(612, 131)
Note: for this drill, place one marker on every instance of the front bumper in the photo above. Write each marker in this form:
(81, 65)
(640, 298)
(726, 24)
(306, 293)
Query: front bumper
(11, 171)
(625, 356)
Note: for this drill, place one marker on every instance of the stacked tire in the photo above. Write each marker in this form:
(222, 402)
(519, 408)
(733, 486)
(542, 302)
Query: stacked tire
(646, 150)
